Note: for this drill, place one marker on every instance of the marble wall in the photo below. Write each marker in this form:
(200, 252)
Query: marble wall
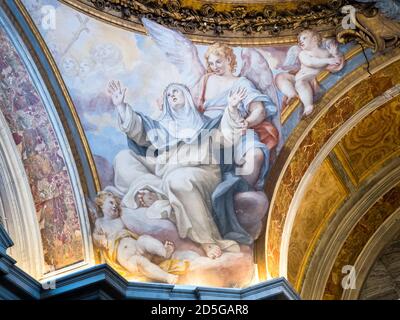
(43, 159)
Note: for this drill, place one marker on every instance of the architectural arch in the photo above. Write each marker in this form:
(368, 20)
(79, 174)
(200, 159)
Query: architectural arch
(332, 184)
(17, 210)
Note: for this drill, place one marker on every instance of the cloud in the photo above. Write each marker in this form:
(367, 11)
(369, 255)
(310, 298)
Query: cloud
(98, 122)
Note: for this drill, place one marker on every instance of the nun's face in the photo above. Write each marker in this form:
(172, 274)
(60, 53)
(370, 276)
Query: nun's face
(176, 98)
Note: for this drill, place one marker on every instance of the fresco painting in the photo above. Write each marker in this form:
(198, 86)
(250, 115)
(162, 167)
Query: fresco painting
(183, 137)
(43, 160)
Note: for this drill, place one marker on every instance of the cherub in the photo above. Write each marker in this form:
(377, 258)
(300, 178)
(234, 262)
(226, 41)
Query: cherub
(303, 63)
(134, 253)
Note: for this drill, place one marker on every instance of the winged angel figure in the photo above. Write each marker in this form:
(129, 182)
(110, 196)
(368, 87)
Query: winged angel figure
(302, 64)
(212, 87)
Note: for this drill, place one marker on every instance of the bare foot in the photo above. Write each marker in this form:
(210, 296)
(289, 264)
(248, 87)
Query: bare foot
(172, 279)
(169, 249)
(212, 250)
(308, 110)
(146, 198)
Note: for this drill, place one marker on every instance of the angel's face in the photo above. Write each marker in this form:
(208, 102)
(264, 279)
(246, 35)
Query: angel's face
(110, 208)
(176, 98)
(307, 40)
(70, 66)
(218, 64)
(85, 67)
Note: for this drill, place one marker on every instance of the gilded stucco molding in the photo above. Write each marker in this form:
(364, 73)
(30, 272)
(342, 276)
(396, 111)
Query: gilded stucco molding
(384, 104)
(383, 236)
(358, 238)
(252, 23)
(340, 226)
(338, 104)
(372, 30)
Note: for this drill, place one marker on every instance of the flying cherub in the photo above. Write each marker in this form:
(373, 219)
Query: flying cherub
(303, 63)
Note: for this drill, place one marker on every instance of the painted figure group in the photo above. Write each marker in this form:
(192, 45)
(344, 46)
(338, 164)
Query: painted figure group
(212, 142)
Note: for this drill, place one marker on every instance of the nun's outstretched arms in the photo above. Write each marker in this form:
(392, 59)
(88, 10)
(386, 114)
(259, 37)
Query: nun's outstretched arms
(117, 94)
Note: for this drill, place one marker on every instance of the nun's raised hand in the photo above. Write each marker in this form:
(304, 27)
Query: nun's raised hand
(117, 93)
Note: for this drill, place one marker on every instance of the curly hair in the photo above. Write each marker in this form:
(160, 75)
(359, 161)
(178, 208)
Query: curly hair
(102, 196)
(221, 50)
(312, 33)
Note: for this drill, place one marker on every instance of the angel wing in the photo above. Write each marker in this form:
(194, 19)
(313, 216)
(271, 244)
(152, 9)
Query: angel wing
(179, 50)
(256, 68)
(292, 61)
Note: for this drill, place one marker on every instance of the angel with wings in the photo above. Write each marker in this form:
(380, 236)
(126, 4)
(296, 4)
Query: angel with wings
(303, 63)
(211, 85)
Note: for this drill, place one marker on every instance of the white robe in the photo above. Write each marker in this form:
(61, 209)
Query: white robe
(184, 187)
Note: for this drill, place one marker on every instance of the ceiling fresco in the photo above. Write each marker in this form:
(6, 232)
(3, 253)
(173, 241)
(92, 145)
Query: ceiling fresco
(227, 138)
(44, 161)
(93, 53)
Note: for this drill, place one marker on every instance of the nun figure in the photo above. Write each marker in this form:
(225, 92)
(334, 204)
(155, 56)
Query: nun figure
(170, 168)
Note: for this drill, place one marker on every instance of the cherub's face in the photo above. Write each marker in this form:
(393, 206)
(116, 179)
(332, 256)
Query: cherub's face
(307, 40)
(218, 64)
(110, 207)
(70, 66)
(175, 98)
(85, 67)
(106, 53)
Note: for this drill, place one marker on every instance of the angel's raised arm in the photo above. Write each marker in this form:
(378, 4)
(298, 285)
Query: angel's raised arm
(179, 50)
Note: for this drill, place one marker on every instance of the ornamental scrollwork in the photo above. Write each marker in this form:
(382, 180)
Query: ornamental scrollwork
(371, 27)
(238, 19)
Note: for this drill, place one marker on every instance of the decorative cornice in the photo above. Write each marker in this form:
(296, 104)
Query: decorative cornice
(380, 106)
(5, 240)
(372, 252)
(359, 237)
(371, 29)
(14, 283)
(265, 24)
(251, 23)
(91, 280)
(101, 281)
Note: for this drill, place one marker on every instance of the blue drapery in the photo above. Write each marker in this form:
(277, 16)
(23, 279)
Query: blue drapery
(223, 196)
